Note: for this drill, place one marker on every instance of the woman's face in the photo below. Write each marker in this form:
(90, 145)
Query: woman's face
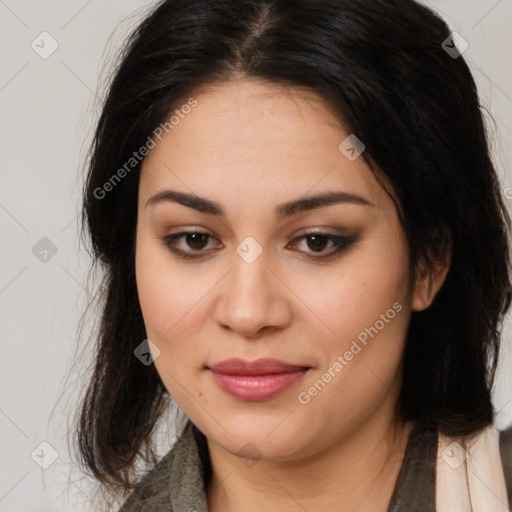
(333, 310)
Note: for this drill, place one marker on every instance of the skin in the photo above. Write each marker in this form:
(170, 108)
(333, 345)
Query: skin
(249, 146)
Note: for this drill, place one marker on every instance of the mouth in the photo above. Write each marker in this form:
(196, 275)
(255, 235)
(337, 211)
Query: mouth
(256, 380)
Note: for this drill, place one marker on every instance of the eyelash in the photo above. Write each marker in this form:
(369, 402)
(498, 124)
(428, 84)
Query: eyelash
(340, 243)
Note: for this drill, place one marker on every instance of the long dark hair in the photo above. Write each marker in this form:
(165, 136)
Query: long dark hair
(383, 68)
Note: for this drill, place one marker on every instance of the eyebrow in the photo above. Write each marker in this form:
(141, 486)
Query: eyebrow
(283, 210)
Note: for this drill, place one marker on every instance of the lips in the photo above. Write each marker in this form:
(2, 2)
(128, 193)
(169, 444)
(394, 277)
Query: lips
(256, 380)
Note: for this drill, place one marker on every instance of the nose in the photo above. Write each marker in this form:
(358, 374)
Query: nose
(254, 299)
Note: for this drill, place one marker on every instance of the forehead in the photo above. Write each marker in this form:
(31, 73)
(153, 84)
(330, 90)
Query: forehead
(254, 139)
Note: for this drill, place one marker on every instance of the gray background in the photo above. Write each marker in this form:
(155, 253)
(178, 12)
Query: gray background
(48, 109)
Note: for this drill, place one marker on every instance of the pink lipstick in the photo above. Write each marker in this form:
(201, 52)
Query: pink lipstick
(256, 380)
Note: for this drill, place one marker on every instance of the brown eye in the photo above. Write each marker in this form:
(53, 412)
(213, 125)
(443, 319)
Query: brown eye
(196, 241)
(317, 242)
(189, 244)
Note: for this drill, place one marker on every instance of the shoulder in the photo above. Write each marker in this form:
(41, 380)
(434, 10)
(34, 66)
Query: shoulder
(506, 458)
(475, 470)
(155, 491)
(152, 492)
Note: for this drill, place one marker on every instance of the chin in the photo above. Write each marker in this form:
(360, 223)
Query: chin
(257, 436)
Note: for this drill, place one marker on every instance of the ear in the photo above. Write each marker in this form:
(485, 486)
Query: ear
(430, 276)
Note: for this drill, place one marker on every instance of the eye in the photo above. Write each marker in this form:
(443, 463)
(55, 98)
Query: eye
(317, 242)
(196, 240)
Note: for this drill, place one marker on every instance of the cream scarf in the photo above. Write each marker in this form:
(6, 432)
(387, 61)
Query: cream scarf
(470, 478)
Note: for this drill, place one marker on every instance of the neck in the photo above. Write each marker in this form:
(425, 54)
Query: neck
(357, 473)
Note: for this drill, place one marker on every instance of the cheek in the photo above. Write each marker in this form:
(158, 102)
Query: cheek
(165, 294)
(170, 299)
(165, 301)
(366, 310)
(365, 286)
(155, 291)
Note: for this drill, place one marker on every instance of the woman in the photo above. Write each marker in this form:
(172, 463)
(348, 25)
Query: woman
(306, 247)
